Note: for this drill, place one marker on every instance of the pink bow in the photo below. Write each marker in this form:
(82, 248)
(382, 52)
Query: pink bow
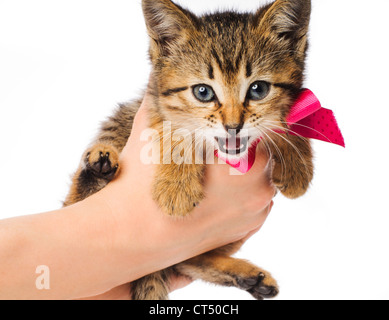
(307, 119)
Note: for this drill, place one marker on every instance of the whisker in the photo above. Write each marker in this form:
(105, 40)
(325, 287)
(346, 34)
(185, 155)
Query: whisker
(283, 129)
(297, 124)
(289, 142)
(296, 149)
(283, 162)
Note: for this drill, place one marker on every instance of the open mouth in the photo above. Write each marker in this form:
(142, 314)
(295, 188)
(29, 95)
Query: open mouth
(233, 145)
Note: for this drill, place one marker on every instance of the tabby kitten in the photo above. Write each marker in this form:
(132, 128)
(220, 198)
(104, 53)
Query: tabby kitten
(234, 73)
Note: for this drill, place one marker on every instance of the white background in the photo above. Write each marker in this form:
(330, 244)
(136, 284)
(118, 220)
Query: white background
(65, 64)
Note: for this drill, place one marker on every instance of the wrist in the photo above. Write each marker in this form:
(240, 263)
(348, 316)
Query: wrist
(86, 226)
(142, 239)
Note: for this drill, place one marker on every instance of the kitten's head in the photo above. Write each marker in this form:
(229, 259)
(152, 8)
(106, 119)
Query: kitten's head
(235, 73)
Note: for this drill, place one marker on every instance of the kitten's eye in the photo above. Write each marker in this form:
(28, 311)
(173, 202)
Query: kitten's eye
(258, 91)
(204, 93)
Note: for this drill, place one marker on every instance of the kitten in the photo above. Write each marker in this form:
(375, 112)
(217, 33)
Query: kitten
(234, 73)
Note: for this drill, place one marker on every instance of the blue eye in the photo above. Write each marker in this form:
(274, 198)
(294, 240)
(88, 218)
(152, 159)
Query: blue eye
(258, 91)
(203, 93)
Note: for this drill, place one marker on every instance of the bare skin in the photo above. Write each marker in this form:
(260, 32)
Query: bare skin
(97, 247)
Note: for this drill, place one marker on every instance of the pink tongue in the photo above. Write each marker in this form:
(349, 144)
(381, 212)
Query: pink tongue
(243, 165)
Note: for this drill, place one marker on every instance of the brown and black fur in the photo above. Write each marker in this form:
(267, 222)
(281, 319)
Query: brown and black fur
(228, 50)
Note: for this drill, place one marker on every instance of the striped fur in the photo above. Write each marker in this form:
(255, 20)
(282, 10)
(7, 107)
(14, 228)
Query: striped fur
(227, 51)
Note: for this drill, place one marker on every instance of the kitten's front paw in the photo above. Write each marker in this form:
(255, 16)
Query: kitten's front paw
(102, 161)
(177, 199)
(292, 184)
(292, 191)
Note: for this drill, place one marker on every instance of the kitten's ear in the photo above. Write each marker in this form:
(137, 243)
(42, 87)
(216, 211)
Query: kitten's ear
(166, 22)
(286, 19)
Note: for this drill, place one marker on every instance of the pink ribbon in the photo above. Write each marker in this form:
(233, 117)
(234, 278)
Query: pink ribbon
(307, 118)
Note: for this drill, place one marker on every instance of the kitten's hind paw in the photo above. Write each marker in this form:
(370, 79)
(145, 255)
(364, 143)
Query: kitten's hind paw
(264, 286)
(259, 286)
(102, 161)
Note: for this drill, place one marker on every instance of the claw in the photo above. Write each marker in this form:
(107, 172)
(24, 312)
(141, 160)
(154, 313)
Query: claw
(101, 165)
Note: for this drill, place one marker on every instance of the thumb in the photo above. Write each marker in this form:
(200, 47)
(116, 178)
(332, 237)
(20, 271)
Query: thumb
(141, 120)
(135, 154)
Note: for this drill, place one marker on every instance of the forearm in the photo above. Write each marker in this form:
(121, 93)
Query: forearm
(70, 242)
(90, 247)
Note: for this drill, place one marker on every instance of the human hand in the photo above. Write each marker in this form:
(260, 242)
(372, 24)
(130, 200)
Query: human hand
(235, 207)
(119, 234)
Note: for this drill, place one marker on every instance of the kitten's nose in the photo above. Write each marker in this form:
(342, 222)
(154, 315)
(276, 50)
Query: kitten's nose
(233, 128)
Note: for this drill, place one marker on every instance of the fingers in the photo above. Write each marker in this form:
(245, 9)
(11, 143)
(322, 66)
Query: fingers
(141, 120)
(262, 219)
(177, 282)
(133, 148)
